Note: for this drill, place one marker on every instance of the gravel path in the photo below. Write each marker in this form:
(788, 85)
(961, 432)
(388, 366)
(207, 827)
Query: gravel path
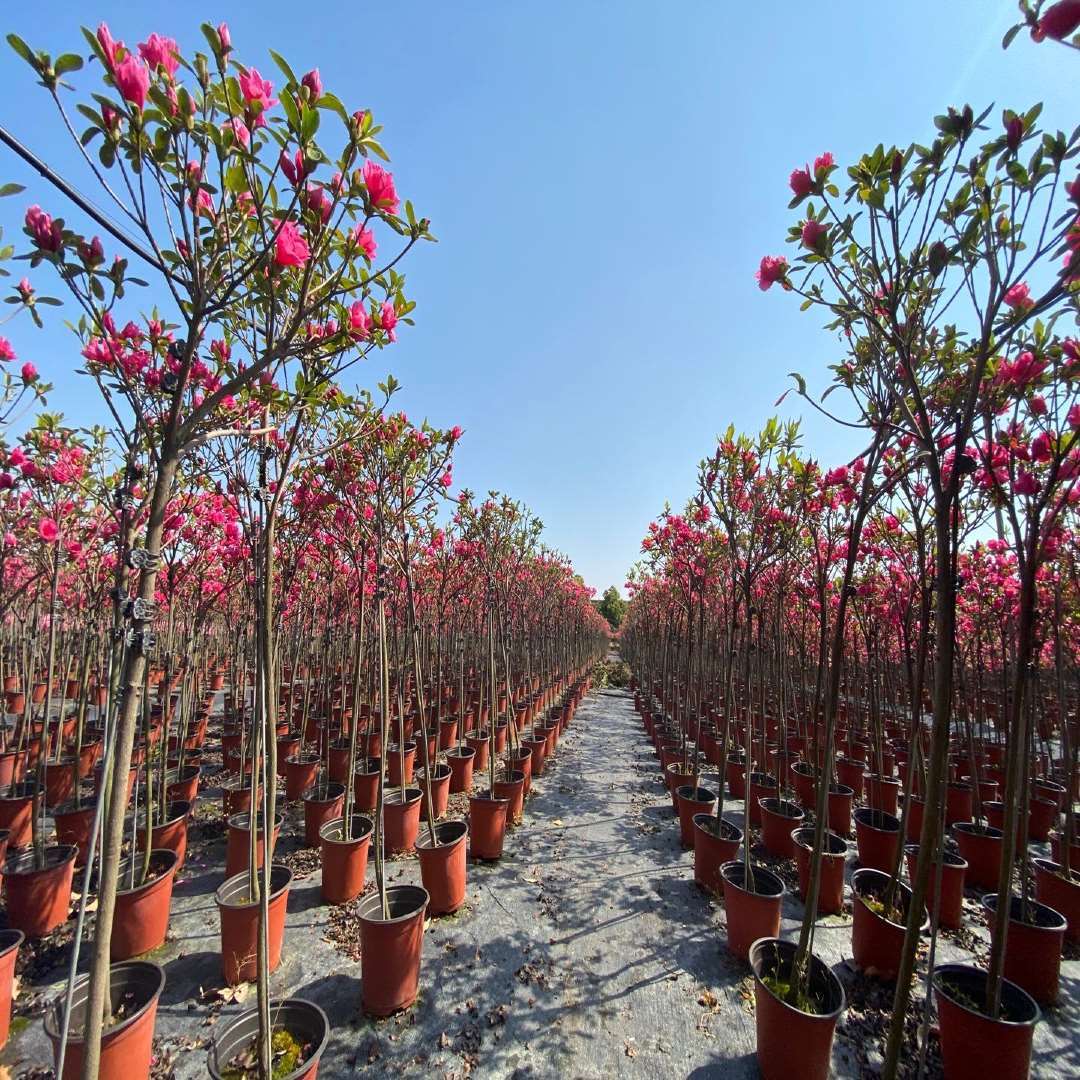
(587, 951)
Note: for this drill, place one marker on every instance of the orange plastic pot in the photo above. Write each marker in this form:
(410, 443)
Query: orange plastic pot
(1062, 894)
(882, 793)
(479, 744)
(394, 755)
(692, 800)
(17, 808)
(366, 785)
(171, 834)
(762, 786)
(443, 867)
(141, 915)
(537, 746)
(877, 837)
(73, 824)
(951, 910)
(12, 768)
(877, 943)
(487, 826)
(1032, 947)
(390, 949)
(240, 924)
(126, 1047)
(750, 915)
(59, 781)
(10, 940)
(980, 846)
(38, 899)
(841, 799)
(401, 820)
(778, 819)
(182, 785)
(238, 845)
(344, 861)
(461, 762)
(440, 791)
(831, 887)
(321, 804)
(974, 1046)
(301, 772)
(712, 850)
(513, 790)
(790, 1042)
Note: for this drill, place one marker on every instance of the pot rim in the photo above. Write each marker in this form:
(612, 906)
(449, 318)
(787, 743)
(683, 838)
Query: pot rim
(973, 828)
(275, 868)
(233, 822)
(830, 836)
(952, 858)
(488, 796)
(14, 939)
(863, 811)
(756, 871)
(278, 1003)
(692, 790)
(462, 752)
(989, 901)
(402, 796)
(437, 776)
(724, 824)
(54, 1023)
(868, 873)
(423, 841)
(311, 794)
(336, 824)
(777, 808)
(56, 855)
(309, 757)
(816, 964)
(968, 970)
(416, 895)
(1052, 867)
(158, 853)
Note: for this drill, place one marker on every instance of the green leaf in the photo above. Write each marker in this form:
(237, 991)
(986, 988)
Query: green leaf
(10, 189)
(22, 49)
(67, 62)
(286, 70)
(291, 112)
(1007, 40)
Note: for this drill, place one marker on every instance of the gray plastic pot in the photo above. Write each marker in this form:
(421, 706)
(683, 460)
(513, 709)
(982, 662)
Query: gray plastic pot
(303, 1020)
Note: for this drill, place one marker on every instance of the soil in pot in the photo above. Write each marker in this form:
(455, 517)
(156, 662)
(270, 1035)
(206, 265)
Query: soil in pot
(1033, 944)
(877, 936)
(714, 844)
(793, 1039)
(299, 1034)
(974, 1046)
(239, 916)
(443, 868)
(38, 899)
(126, 1045)
(750, 915)
(344, 862)
(390, 948)
(141, 916)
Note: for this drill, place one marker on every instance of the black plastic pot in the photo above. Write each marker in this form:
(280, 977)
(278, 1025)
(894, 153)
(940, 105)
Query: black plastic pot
(303, 1020)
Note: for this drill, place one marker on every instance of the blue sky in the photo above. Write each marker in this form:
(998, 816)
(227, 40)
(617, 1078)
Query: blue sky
(603, 178)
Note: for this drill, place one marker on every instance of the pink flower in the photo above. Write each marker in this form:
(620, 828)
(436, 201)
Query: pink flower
(1025, 483)
(47, 233)
(1061, 20)
(29, 372)
(48, 530)
(1074, 418)
(364, 239)
(455, 433)
(225, 36)
(239, 129)
(232, 531)
(773, 269)
(290, 248)
(388, 319)
(814, 234)
(380, 185)
(160, 51)
(293, 167)
(822, 163)
(446, 479)
(258, 92)
(801, 182)
(6, 351)
(108, 46)
(313, 82)
(359, 320)
(9, 539)
(315, 200)
(1019, 297)
(132, 80)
